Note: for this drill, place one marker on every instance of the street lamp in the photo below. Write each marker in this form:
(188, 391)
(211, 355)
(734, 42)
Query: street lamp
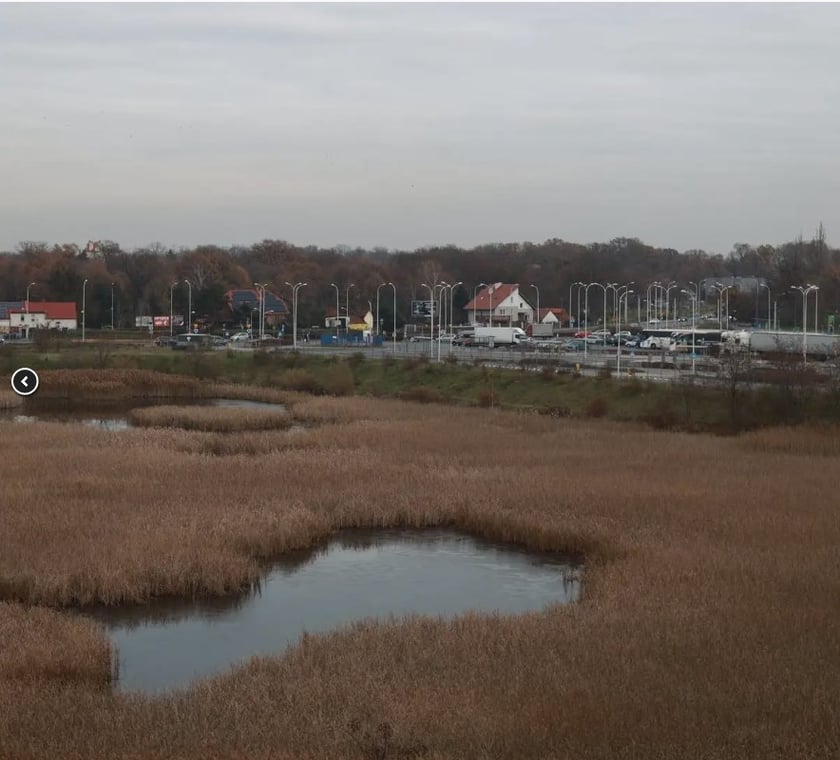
(618, 291)
(84, 289)
(618, 330)
(27, 308)
(805, 290)
(431, 314)
(112, 308)
(653, 285)
(441, 303)
(295, 288)
(586, 314)
(262, 287)
(721, 290)
(394, 332)
(189, 307)
(577, 285)
(381, 285)
(668, 299)
(451, 304)
(332, 284)
(692, 295)
(347, 305)
(171, 310)
(765, 285)
(475, 296)
(538, 302)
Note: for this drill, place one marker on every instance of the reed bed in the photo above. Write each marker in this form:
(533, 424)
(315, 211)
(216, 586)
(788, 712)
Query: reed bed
(709, 625)
(9, 400)
(804, 440)
(211, 419)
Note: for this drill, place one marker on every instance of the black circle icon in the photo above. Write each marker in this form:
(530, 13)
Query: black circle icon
(25, 381)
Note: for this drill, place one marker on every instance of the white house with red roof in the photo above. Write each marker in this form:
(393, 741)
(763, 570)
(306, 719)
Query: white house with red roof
(500, 303)
(40, 315)
(552, 315)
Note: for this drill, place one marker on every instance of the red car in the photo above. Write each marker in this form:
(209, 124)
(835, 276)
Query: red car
(583, 334)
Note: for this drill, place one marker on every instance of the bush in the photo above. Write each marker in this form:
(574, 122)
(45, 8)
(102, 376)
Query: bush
(548, 373)
(339, 380)
(597, 407)
(300, 380)
(422, 394)
(487, 397)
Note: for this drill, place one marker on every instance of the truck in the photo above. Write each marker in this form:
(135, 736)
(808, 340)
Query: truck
(499, 336)
(543, 330)
(817, 345)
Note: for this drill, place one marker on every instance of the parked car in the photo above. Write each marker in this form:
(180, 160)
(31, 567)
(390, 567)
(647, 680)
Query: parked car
(582, 334)
(165, 340)
(240, 336)
(575, 344)
(446, 338)
(622, 337)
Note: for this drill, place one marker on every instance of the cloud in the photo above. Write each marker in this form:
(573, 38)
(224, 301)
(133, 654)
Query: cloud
(403, 125)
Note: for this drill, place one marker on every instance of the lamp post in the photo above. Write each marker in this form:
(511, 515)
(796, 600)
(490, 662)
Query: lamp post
(651, 312)
(262, 287)
(490, 293)
(189, 307)
(295, 288)
(668, 300)
(347, 305)
(452, 304)
(27, 308)
(475, 296)
(765, 285)
(84, 289)
(692, 295)
(805, 290)
(586, 313)
(623, 295)
(394, 333)
(382, 285)
(112, 308)
(538, 303)
(171, 309)
(332, 284)
(618, 292)
(441, 304)
(577, 285)
(431, 314)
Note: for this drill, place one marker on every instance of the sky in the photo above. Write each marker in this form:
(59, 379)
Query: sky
(407, 125)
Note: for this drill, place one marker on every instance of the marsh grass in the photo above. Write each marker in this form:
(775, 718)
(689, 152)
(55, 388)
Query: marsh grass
(10, 400)
(708, 625)
(802, 440)
(210, 419)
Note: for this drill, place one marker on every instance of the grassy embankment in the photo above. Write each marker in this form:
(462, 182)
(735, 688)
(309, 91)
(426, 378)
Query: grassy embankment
(708, 627)
(737, 404)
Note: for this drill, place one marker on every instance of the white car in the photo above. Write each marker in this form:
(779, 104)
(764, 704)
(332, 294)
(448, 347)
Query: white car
(236, 337)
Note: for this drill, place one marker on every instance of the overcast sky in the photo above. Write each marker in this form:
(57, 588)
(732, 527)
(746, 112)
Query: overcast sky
(688, 126)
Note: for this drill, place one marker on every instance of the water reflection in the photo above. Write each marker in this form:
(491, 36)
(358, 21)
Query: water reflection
(114, 415)
(356, 575)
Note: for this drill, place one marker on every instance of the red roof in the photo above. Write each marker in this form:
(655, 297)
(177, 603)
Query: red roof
(490, 297)
(555, 310)
(52, 309)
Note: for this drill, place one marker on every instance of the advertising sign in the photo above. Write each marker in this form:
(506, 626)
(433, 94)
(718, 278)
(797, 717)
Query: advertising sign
(423, 309)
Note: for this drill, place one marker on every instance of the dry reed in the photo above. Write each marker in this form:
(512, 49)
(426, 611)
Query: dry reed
(211, 419)
(708, 626)
(9, 400)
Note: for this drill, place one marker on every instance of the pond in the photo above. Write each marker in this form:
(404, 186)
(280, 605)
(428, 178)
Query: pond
(356, 575)
(115, 416)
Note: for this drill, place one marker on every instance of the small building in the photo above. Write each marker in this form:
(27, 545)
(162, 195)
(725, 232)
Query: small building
(500, 303)
(42, 315)
(552, 315)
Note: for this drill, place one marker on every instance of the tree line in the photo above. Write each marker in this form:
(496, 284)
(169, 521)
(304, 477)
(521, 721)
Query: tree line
(142, 278)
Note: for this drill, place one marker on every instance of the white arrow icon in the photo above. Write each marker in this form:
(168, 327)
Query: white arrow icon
(25, 381)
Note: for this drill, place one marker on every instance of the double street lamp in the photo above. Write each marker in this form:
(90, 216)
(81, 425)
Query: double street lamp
(805, 290)
(295, 288)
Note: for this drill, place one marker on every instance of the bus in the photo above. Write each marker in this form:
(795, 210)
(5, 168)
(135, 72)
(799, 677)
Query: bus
(655, 338)
(700, 340)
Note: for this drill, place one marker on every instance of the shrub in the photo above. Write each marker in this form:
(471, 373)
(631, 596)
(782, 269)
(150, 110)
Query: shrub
(422, 394)
(299, 380)
(487, 397)
(548, 372)
(339, 380)
(597, 407)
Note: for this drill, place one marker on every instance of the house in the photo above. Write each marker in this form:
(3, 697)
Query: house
(499, 304)
(5, 308)
(244, 303)
(552, 315)
(42, 315)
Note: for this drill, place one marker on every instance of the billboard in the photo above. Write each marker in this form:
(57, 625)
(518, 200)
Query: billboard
(161, 322)
(142, 321)
(423, 309)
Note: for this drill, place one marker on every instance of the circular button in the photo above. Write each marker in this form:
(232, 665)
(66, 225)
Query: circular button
(25, 381)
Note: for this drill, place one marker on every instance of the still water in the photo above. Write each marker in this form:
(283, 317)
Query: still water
(115, 417)
(359, 574)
